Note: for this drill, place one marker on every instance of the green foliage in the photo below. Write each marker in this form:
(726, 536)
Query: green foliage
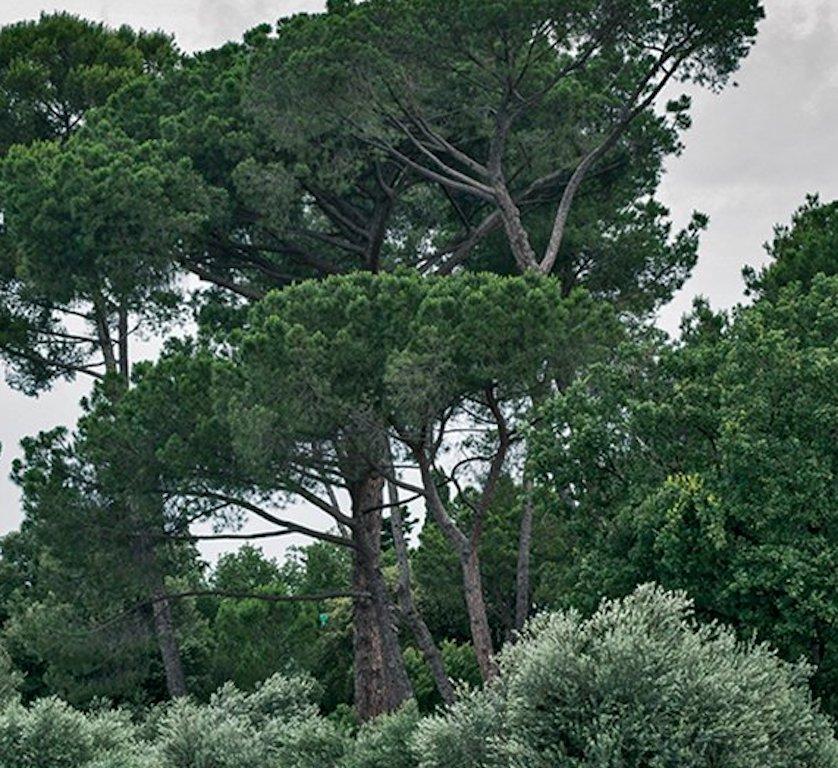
(10, 679)
(50, 734)
(639, 683)
(324, 367)
(75, 244)
(253, 639)
(460, 664)
(276, 724)
(537, 87)
(97, 541)
(451, 131)
(71, 212)
(54, 70)
(386, 742)
(801, 251)
(710, 466)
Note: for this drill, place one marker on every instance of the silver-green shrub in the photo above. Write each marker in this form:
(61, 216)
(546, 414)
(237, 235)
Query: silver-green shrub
(385, 742)
(50, 734)
(276, 726)
(638, 685)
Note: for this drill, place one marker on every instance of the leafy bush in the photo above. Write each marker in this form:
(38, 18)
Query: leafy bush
(276, 725)
(385, 742)
(50, 734)
(10, 679)
(638, 684)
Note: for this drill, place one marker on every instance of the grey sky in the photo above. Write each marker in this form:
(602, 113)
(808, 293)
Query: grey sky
(753, 154)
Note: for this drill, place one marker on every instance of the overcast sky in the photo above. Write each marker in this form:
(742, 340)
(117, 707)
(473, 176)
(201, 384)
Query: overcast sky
(752, 155)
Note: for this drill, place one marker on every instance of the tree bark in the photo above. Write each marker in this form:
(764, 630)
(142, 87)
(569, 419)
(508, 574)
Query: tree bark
(410, 612)
(522, 571)
(161, 608)
(167, 642)
(381, 682)
(477, 616)
(466, 549)
(516, 233)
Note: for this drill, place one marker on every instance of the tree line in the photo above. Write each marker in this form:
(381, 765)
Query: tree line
(421, 248)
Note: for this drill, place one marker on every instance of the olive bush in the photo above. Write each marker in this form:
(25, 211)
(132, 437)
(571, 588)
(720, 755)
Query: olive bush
(276, 725)
(51, 734)
(640, 683)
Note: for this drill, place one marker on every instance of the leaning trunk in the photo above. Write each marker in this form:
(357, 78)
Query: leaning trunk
(522, 571)
(164, 629)
(161, 608)
(516, 233)
(418, 627)
(381, 681)
(477, 616)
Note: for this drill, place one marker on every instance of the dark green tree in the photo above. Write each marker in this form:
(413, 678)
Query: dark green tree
(799, 252)
(84, 264)
(53, 71)
(710, 466)
(85, 606)
(508, 109)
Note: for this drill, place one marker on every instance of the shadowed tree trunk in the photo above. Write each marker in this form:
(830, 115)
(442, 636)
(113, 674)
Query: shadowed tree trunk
(522, 571)
(478, 618)
(381, 681)
(161, 606)
(164, 629)
(409, 611)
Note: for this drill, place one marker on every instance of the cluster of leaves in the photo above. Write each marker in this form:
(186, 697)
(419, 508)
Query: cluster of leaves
(638, 683)
(710, 466)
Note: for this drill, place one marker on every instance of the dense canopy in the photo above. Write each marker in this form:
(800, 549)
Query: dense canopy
(402, 261)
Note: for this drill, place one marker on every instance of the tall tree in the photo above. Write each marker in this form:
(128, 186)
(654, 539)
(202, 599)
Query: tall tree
(85, 266)
(89, 611)
(710, 466)
(510, 108)
(53, 71)
(80, 261)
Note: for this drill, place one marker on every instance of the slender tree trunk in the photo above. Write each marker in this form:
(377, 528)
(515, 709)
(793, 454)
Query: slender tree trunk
(381, 681)
(516, 233)
(161, 608)
(410, 612)
(167, 642)
(522, 571)
(477, 615)
(124, 362)
(466, 550)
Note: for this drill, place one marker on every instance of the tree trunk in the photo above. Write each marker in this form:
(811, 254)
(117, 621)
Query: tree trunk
(478, 618)
(466, 549)
(516, 233)
(410, 612)
(167, 642)
(161, 608)
(381, 681)
(522, 572)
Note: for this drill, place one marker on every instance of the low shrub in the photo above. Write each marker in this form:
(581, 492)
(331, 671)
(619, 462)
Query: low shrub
(640, 683)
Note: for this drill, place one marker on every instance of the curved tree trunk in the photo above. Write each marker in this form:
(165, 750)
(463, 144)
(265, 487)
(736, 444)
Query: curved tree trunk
(477, 615)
